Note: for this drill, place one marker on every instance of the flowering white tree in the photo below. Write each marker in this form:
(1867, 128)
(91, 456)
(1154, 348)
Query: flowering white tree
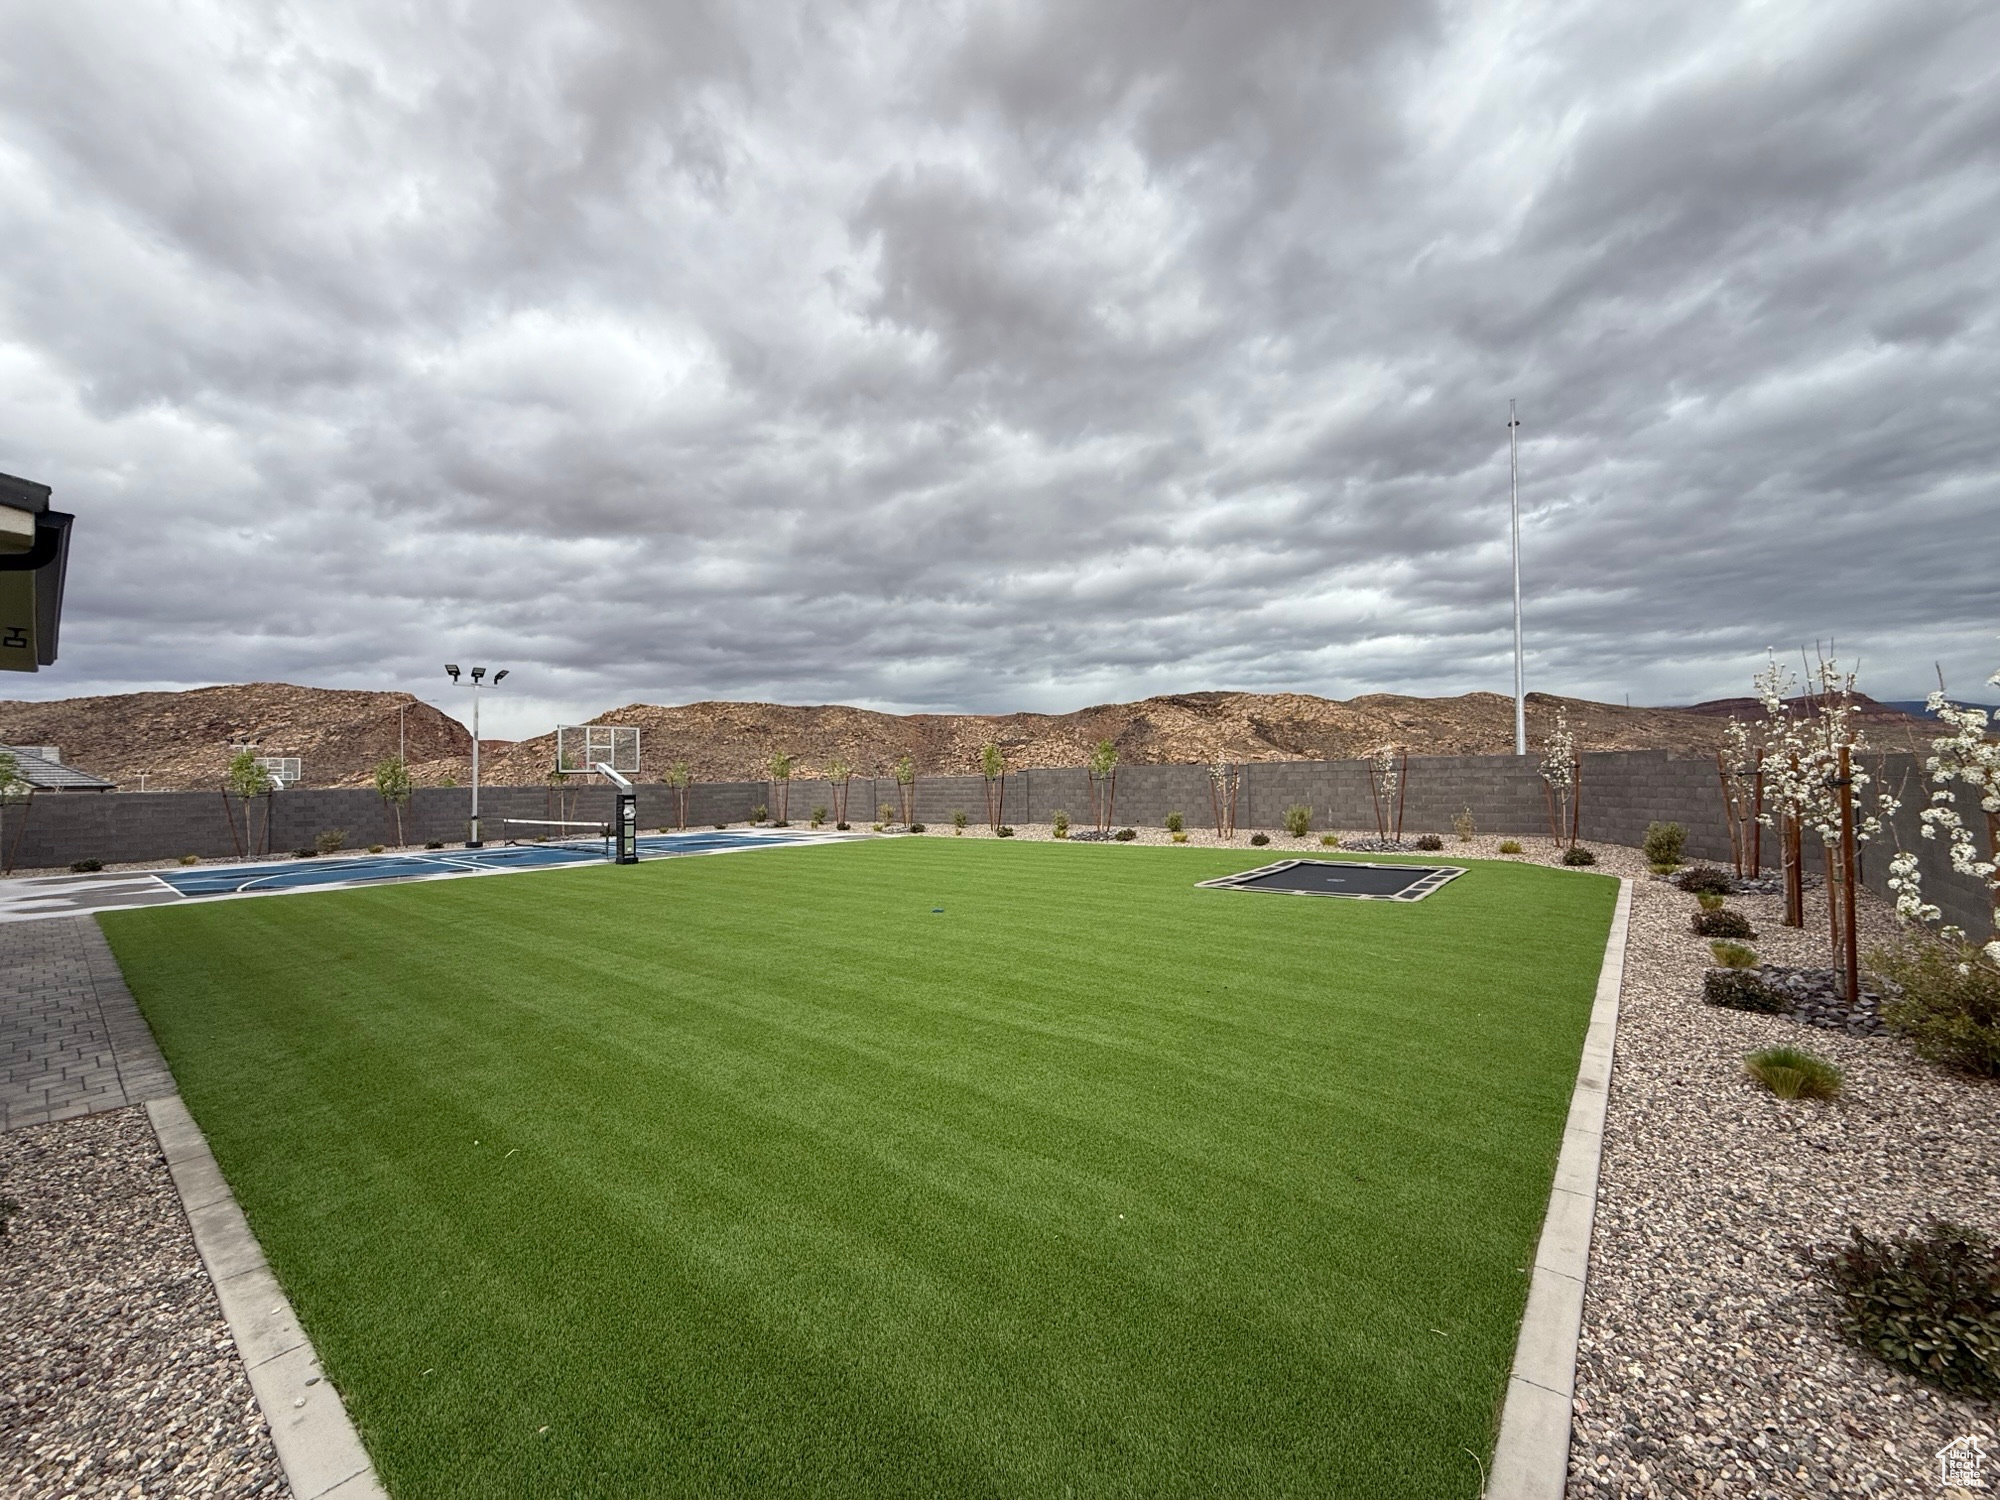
(1386, 770)
(1561, 772)
(1805, 748)
(1737, 762)
(1969, 758)
(1223, 780)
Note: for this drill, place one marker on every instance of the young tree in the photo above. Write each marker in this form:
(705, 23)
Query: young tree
(993, 765)
(247, 779)
(1223, 780)
(1562, 771)
(1388, 776)
(781, 786)
(906, 788)
(1103, 785)
(1740, 767)
(1968, 760)
(392, 784)
(838, 774)
(679, 778)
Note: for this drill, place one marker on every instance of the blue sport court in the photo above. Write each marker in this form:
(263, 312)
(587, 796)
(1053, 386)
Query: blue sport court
(362, 869)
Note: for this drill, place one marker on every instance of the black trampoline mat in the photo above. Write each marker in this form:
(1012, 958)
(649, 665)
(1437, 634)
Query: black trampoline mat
(1353, 878)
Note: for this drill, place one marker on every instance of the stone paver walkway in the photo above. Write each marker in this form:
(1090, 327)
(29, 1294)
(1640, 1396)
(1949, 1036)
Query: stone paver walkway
(72, 1042)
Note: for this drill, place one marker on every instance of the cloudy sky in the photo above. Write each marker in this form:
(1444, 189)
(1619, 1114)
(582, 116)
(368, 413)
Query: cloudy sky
(981, 356)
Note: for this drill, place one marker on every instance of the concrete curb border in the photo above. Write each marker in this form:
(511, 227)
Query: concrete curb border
(318, 1448)
(1531, 1459)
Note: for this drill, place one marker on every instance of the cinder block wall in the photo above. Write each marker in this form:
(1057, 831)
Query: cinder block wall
(1622, 792)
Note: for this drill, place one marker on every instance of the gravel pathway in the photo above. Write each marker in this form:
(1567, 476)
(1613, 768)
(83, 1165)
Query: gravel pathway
(118, 1375)
(1709, 1363)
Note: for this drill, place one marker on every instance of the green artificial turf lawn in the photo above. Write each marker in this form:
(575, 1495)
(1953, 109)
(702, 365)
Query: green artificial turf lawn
(754, 1175)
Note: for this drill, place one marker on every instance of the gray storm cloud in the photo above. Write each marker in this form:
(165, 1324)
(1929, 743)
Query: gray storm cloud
(994, 356)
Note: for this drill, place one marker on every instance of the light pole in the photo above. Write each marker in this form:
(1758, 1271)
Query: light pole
(477, 682)
(1514, 509)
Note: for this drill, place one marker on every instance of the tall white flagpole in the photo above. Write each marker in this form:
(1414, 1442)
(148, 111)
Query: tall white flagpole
(1514, 506)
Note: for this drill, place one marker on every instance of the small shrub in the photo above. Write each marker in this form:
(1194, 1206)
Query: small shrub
(1430, 843)
(1006, 832)
(435, 844)
(86, 867)
(1061, 821)
(1463, 826)
(1742, 989)
(1733, 955)
(1927, 1303)
(842, 827)
(1126, 835)
(1664, 843)
(1708, 901)
(1707, 880)
(374, 848)
(1722, 924)
(305, 854)
(885, 813)
(1298, 820)
(720, 826)
(1175, 822)
(190, 859)
(1662, 869)
(1178, 837)
(1791, 1073)
(1578, 856)
(1260, 839)
(917, 827)
(819, 816)
(876, 827)
(1329, 841)
(759, 813)
(1510, 846)
(1946, 999)
(782, 823)
(330, 840)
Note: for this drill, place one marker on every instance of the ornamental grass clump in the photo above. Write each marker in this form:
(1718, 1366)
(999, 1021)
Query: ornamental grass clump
(1329, 841)
(1926, 1303)
(1733, 955)
(1430, 843)
(1510, 846)
(1791, 1073)
(1945, 996)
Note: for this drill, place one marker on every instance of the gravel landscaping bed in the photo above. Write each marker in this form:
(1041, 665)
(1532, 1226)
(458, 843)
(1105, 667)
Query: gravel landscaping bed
(118, 1375)
(1711, 1362)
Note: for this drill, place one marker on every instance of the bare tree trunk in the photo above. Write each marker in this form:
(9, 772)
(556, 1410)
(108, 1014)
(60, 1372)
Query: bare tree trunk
(1402, 791)
(27, 806)
(229, 814)
(1757, 822)
(1791, 838)
(1575, 800)
(1848, 875)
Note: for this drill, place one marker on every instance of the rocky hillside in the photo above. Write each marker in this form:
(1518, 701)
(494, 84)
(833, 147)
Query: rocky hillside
(735, 741)
(181, 741)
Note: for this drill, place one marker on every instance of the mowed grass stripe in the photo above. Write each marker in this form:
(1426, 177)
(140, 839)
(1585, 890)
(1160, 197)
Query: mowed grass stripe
(1094, 1183)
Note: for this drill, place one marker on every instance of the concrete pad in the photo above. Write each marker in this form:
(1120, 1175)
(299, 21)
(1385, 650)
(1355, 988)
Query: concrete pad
(316, 1443)
(1534, 1423)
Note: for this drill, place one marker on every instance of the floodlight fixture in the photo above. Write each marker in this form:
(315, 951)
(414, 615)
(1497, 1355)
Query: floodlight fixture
(498, 675)
(453, 670)
(478, 673)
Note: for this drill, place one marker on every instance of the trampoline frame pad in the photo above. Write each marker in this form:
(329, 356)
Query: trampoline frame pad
(1424, 879)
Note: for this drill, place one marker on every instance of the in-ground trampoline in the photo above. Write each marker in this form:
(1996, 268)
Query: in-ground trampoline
(1355, 879)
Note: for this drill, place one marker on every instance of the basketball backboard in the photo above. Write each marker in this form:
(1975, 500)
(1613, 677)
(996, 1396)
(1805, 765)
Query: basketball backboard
(582, 748)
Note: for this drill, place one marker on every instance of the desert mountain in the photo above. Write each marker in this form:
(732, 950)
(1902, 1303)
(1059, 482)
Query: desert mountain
(182, 740)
